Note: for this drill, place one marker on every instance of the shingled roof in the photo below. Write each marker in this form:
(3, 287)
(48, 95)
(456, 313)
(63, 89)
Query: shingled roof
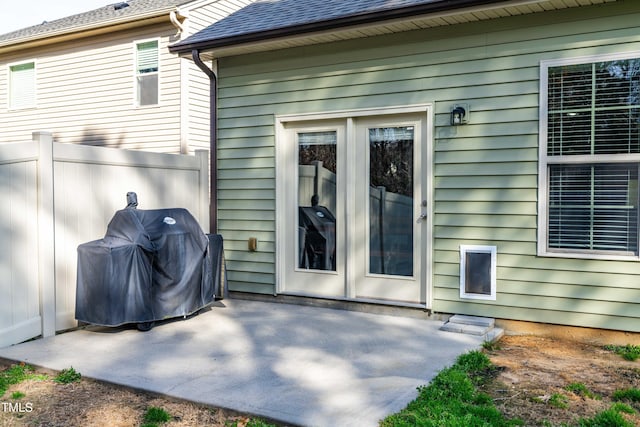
(265, 17)
(107, 15)
(265, 22)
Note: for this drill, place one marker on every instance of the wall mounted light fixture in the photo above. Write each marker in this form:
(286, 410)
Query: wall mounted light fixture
(460, 114)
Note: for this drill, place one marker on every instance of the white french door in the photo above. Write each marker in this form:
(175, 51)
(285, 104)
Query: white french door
(314, 219)
(353, 208)
(390, 209)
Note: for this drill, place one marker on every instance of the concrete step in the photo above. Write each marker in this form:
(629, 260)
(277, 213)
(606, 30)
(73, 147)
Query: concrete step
(473, 325)
(494, 335)
(472, 320)
(462, 328)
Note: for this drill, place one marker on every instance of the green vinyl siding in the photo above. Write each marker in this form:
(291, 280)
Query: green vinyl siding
(484, 173)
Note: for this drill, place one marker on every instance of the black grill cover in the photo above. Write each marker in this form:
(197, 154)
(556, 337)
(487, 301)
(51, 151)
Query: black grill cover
(318, 240)
(151, 265)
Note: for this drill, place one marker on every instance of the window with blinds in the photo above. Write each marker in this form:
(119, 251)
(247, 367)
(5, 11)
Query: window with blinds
(592, 156)
(147, 70)
(22, 85)
(594, 207)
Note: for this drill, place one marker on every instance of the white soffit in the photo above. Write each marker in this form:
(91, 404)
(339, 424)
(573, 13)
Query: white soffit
(461, 16)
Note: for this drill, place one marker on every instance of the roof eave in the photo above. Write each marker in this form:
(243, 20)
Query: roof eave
(333, 24)
(87, 30)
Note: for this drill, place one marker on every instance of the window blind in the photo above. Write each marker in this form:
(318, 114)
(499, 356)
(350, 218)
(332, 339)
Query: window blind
(594, 207)
(318, 138)
(147, 57)
(22, 85)
(391, 134)
(594, 108)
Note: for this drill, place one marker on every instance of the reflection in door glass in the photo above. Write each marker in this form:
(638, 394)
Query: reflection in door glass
(317, 200)
(391, 200)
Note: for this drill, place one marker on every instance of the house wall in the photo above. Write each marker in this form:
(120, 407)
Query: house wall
(485, 173)
(203, 13)
(86, 93)
(86, 89)
(196, 84)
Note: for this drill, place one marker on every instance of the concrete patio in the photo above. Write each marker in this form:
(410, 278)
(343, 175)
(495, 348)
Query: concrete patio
(301, 365)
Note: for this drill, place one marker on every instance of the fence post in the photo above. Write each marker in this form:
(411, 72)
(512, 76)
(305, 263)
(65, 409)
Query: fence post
(46, 231)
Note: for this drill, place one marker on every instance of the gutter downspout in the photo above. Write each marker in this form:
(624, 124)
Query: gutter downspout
(213, 144)
(173, 17)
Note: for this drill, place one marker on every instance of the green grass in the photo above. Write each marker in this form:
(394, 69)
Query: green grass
(67, 376)
(256, 422)
(629, 352)
(491, 345)
(155, 416)
(559, 400)
(452, 399)
(16, 374)
(16, 395)
(621, 407)
(611, 417)
(581, 390)
(630, 394)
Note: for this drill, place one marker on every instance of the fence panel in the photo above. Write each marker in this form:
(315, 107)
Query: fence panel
(19, 281)
(315, 180)
(91, 183)
(62, 195)
(390, 233)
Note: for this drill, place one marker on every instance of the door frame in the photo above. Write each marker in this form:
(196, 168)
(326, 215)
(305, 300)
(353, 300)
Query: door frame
(281, 163)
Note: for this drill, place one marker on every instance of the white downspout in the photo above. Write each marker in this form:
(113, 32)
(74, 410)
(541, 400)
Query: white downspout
(173, 16)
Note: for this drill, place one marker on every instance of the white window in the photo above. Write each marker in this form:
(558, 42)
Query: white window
(589, 157)
(147, 70)
(478, 272)
(22, 85)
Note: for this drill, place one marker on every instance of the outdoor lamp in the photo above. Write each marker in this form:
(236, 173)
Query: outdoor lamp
(459, 114)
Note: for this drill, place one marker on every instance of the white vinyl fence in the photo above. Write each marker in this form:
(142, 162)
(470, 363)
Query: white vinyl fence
(57, 196)
(316, 180)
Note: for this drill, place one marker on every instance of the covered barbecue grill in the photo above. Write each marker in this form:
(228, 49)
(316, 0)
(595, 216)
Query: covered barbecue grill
(150, 265)
(317, 238)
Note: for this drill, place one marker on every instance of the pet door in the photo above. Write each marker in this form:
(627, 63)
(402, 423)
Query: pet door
(478, 272)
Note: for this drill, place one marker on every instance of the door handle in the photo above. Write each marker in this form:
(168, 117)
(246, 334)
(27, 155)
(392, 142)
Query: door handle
(422, 216)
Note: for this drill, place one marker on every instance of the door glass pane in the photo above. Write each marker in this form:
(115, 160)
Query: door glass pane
(317, 200)
(391, 200)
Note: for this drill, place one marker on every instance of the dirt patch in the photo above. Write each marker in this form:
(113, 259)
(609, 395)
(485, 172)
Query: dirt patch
(91, 403)
(535, 372)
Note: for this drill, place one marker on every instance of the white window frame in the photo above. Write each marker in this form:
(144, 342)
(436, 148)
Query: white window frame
(544, 160)
(10, 105)
(136, 101)
(493, 251)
